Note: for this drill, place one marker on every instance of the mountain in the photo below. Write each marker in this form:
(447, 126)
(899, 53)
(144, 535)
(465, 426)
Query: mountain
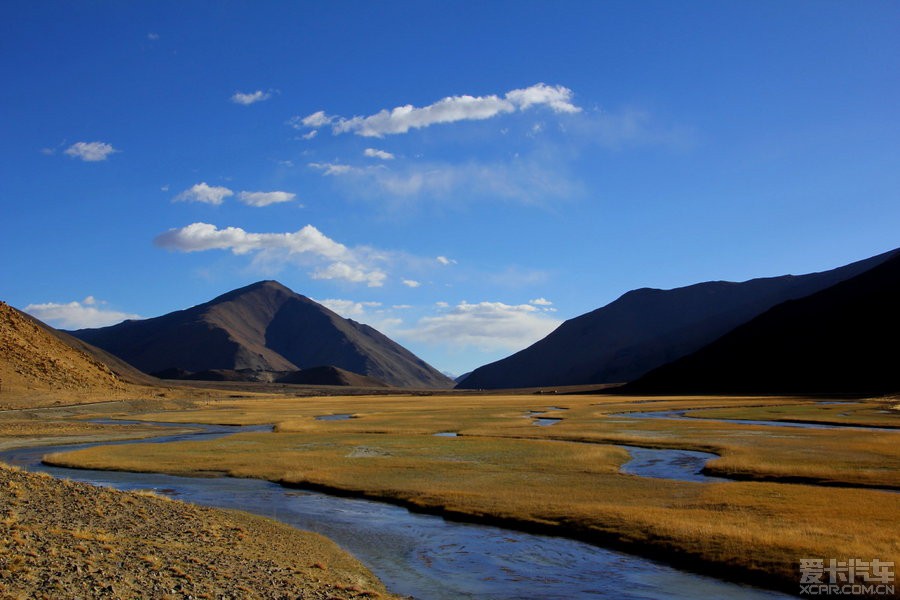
(263, 327)
(840, 340)
(35, 356)
(648, 328)
(329, 376)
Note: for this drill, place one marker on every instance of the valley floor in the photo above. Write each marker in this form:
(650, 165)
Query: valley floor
(795, 492)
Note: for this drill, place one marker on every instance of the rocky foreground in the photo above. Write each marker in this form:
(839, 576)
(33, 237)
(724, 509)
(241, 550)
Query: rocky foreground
(64, 539)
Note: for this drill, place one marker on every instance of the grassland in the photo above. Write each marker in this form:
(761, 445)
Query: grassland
(808, 497)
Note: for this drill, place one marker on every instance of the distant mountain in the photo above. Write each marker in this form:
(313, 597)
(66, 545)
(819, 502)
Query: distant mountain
(326, 375)
(330, 376)
(262, 327)
(647, 328)
(35, 356)
(840, 340)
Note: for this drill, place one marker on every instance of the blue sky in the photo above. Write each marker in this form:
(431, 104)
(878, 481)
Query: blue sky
(461, 175)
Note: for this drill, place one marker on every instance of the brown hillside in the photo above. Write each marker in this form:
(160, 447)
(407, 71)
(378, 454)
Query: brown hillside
(35, 359)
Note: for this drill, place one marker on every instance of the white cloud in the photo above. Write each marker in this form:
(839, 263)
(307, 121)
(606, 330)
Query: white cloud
(310, 135)
(201, 192)
(557, 97)
(313, 121)
(251, 98)
(445, 261)
(307, 246)
(335, 168)
(441, 304)
(265, 198)
(486, 326)
(341, 270)
(77, 315)
(374, 153)
(411, 283)
(540, 302)
(152, 36)
(90, 151)
(349, 309)
(447, 110)
(401, 306)
(371, 313)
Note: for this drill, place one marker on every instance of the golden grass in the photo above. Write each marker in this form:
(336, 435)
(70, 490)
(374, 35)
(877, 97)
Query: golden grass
(565, 477)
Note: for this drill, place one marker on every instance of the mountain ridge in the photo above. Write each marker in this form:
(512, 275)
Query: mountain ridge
(263, 326)
(647, 327)
(827, 342)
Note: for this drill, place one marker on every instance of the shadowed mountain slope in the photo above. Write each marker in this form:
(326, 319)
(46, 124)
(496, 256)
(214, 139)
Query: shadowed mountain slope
(839, 340)
(330, 376)
(265, 327)
(648, 328)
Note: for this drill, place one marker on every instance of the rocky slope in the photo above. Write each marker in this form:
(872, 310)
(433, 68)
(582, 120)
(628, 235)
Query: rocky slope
(36, 357)
(63, 539)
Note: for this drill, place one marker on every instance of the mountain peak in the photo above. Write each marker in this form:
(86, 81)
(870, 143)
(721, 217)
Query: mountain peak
(263, 327)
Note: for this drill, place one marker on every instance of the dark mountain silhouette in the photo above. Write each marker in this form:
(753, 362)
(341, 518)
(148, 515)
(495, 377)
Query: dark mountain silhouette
(262, 327)
(648, 328)
(842, 340)
(328, 375)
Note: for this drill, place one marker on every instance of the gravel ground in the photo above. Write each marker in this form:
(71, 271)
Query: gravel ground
(62, 539)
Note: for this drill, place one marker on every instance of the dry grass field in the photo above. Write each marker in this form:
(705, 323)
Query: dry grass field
(808, 493)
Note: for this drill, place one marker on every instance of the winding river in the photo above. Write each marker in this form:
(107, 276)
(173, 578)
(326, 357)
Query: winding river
(425, 556)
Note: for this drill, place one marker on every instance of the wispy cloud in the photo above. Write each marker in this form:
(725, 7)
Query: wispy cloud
(374, 153)
(485, 326)
(313, 121)
(348, 308)
(445, 261)
(451, 109)
(207, 194)
(307, 246)
(336, 168)
(516, 277)
(90, 151)
(625, 128)
(89, 312)
(411, 283)
(247, 99)
(530, 181)
(370, 313)
(260, 199)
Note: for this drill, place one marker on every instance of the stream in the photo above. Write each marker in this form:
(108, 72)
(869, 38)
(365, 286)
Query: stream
(425, 556)
(681, 415)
